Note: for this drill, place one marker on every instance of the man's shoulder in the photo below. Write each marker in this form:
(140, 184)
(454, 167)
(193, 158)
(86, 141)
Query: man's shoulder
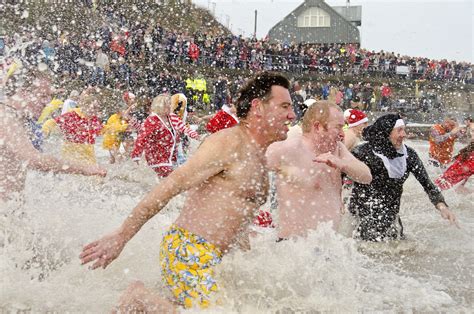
(287, 145)
(230, 137)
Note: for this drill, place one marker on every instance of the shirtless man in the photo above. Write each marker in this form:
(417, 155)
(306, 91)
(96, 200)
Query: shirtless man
(17, 154)
(309, 167)
(226, 180)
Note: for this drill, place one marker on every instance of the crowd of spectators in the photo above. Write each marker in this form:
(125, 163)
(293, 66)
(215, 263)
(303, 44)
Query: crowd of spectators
(120, 49)
(143, 57)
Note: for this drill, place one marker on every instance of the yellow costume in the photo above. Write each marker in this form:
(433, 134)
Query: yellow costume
(113, 128)
(187, 262)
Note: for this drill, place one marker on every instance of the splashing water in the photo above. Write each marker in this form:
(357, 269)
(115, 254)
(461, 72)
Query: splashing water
(42, 238)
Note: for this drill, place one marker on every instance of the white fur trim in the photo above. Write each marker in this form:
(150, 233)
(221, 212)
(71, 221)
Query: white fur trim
(226, 109)
(359, 122)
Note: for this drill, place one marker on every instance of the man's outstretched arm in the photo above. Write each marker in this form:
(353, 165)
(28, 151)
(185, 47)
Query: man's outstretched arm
(348, 164)
(211, 158)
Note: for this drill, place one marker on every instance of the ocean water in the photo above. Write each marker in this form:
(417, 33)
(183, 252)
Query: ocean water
(42, 238)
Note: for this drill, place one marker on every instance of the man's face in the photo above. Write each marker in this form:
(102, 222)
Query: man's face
(333, 131)
(361, 127)
(277, 113)
(397, 136)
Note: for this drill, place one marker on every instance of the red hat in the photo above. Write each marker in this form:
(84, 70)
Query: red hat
(356, 118)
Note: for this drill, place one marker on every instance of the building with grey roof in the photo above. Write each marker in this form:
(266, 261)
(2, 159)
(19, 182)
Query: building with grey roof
(314, 21)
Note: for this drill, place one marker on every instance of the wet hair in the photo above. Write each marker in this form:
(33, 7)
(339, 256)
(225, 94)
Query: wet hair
(258, 87)
(319, 111)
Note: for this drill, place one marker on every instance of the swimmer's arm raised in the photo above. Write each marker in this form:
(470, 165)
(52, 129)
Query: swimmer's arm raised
(211, 158)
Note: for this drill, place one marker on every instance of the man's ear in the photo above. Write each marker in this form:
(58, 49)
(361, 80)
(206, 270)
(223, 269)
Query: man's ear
(257, 107)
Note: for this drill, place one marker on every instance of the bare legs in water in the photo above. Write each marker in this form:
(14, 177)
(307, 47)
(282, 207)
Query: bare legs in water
(138, 299)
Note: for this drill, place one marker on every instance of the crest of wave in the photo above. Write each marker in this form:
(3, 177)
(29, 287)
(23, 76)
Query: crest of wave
(324, 272)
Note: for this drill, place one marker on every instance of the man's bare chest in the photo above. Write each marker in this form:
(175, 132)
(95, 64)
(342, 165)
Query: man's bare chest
(303, 171)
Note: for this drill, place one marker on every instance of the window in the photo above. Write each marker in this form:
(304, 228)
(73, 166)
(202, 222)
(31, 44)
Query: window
(314, 17)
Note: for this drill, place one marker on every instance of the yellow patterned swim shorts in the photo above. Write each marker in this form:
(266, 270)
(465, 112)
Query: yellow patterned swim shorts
(186, 266)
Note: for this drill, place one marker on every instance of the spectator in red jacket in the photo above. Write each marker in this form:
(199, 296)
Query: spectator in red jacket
(193, 51)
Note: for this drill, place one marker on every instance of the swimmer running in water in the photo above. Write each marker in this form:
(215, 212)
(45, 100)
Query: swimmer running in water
(308, 170)
(226, 180)
(377, 204)
(17, 154)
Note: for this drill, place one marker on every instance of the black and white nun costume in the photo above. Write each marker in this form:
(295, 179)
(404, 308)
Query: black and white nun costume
(377, 204)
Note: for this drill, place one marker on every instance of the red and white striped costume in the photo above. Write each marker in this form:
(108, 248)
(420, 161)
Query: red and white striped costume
(179, 125)
(159, 141)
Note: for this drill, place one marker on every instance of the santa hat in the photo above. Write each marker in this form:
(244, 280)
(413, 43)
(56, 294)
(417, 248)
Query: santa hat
(356, 118)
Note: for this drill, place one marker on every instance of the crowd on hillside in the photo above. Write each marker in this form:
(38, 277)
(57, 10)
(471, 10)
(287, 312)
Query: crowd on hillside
(145, 58)
(130, 54)
(104, 59)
